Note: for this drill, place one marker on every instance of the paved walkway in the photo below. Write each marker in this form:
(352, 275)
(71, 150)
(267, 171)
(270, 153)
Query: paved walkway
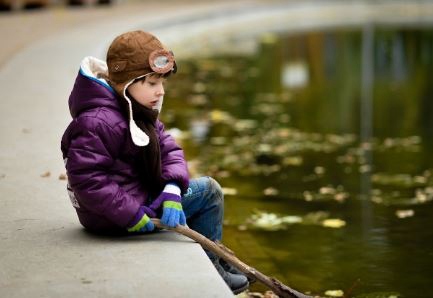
(43, 250)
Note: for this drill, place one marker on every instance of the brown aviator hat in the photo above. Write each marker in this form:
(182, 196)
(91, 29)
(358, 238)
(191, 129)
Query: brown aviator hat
(133, 55)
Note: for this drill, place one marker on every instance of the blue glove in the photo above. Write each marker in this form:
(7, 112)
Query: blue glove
(172, 213)
(141, 222)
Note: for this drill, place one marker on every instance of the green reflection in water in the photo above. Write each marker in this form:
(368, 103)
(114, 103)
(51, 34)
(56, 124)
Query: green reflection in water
(280, 129)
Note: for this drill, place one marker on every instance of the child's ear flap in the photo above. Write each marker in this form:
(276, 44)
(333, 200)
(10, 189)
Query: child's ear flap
(118, 66)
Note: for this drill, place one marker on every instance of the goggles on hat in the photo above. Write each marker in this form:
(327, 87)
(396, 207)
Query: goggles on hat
(161, 61)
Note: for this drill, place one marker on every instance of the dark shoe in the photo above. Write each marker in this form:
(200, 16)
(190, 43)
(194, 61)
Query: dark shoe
(229, 268)
(236, 282)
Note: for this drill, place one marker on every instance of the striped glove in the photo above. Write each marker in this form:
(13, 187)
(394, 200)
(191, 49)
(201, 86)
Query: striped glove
(172, 213)
(141, 222)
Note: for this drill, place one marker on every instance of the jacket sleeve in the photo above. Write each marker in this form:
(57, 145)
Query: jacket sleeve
(173, 163)
(92, 151)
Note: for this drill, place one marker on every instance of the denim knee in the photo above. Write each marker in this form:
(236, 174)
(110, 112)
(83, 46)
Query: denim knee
(216, 190)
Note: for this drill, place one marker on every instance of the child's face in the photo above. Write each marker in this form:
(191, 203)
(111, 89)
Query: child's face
(148, 92)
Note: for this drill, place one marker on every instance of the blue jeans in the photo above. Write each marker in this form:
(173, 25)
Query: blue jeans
(203, 205)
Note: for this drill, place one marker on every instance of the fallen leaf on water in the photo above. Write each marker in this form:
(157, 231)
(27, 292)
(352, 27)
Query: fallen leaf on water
(291, 219)
(364, 168)
(319, 170)
(242, 228)
(229, 191)
(327, 190)
(245, 124)
(405, 213)
(308, 196)
(293, 161)
(420, 179)
(267, 221)
(377, 199)
(333, 223)
(334, 293)
(341, 196)
(220, 116)
(270, 191)
(46, 174)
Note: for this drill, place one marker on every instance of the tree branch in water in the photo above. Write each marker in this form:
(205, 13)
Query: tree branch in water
(228, 255)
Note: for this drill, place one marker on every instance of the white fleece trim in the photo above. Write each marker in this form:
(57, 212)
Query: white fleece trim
(94, 68)
(171, 188)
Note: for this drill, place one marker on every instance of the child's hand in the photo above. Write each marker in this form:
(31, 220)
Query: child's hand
(141, 222)
(172, 213)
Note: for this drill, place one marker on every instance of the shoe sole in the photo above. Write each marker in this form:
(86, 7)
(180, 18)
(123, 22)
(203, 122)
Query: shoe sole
(240, 290)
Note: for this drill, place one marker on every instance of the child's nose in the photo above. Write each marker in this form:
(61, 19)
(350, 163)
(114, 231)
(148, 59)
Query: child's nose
(161, 90)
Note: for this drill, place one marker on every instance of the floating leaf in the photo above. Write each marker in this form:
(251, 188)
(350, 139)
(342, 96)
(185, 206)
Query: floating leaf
(365, 168)
(327, 190)
(341, 196)
(270, 191)
(405, 213)
(404, 180)
(229, 191)
(245, 124)
(333, 223)
(268, 221)
(291, 219)
(319, 170)
(334, 293)
(293, 161)
(307, 196)
(220, 116)
(242, 228)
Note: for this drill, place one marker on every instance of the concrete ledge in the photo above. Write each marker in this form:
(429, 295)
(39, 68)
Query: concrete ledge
(38, 260)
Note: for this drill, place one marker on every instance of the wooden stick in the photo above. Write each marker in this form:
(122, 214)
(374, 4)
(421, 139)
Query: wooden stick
(225, 253)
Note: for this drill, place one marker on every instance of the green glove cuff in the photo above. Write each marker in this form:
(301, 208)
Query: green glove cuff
(172, 204)
(143, 221)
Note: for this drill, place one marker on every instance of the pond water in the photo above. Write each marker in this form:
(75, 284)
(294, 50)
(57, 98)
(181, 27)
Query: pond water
(322, 142)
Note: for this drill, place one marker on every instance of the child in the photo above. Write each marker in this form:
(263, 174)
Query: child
(123, 168)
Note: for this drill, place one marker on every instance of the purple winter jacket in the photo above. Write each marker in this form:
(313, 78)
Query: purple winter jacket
(100, 157)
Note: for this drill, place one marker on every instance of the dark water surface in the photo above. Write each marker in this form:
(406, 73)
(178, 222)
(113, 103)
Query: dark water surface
(317, 126)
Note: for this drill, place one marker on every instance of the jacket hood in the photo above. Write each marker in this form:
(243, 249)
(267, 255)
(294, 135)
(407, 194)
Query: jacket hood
(91, 90)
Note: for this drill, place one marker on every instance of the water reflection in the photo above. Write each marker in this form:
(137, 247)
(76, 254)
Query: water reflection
(337, 123)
